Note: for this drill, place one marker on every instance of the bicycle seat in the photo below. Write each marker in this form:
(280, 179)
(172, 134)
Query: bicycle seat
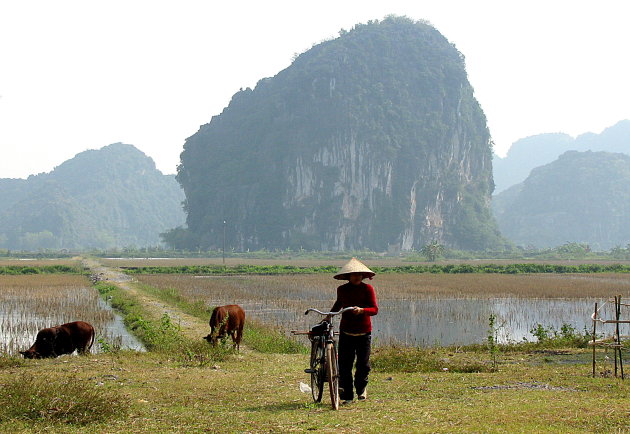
(320, 329)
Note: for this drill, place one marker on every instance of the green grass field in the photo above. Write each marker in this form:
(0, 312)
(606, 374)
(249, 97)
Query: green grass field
(257, 392)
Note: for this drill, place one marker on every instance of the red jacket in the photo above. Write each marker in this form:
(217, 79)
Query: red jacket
(361, 295)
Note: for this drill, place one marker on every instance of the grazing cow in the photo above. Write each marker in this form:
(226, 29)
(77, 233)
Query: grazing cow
(62, 339)
(225, 320)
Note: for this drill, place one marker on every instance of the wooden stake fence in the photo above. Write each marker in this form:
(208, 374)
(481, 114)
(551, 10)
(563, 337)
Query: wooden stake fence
(616, 343)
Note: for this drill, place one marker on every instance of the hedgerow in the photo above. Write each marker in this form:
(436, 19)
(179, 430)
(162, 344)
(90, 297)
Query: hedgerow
(434, 268)
(43, 269)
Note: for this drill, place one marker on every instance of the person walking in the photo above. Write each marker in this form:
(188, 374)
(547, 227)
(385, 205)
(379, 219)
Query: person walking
(355, 329)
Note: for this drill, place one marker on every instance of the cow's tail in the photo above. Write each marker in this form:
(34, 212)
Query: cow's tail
(89, 347)
(213, 320)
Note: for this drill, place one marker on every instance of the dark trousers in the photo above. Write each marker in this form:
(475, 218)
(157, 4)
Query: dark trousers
(349, 348)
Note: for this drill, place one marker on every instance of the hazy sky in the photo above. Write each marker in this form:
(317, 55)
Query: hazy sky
(77, 75)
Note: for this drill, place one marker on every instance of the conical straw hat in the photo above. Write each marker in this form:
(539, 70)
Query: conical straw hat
(354, 266)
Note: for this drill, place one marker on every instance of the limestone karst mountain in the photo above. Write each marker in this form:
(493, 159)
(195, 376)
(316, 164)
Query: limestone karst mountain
(581, 197)
(370, 140)
(112, 197)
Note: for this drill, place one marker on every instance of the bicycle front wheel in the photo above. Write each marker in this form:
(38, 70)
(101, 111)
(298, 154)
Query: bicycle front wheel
(333, 374)
(318, 372)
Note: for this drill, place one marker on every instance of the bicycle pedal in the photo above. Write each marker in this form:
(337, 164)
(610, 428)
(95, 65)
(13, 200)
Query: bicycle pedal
(310, 371)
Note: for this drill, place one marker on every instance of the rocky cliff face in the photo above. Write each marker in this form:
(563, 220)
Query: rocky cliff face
(372, 140)
(423, 204)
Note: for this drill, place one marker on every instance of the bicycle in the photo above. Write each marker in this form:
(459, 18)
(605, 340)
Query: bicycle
(323, 363)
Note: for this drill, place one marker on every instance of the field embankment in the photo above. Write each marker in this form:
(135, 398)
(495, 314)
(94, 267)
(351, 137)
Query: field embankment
(524, 268)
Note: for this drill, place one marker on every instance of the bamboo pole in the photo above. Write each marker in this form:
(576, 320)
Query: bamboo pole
(616, 337)
(619, 347)
(594, 336)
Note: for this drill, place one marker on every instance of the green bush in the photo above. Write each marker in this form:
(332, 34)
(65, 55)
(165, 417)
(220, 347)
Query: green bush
(105, 288)
(567, 336)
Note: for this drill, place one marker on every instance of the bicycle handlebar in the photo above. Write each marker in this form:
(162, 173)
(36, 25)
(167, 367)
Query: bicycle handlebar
(345, 309)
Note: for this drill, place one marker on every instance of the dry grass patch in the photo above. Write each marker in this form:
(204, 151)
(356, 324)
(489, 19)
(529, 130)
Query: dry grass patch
(503, 285)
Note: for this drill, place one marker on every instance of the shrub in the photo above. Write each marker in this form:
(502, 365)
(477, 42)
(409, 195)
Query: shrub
(567, 336)
(105, 288)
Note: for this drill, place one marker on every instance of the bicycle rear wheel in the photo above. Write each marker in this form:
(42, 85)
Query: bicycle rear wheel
(318, 373)
(333, 374)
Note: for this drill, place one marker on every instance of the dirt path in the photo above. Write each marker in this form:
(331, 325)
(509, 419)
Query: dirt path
(191, 326)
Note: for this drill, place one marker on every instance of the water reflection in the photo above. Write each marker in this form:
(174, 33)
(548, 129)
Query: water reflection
(453, 321)
(19, 327)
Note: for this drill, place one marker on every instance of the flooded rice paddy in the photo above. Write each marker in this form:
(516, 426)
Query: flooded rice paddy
(415, 309)
(32, 302)
(419, 309)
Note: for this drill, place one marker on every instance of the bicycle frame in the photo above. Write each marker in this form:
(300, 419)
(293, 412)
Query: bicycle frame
(324, 365)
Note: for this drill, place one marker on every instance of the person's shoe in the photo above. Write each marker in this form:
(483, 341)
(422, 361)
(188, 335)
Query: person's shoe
(346, 402)
(363, 395)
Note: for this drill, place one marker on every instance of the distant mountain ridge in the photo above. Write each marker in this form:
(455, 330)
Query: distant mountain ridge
(581, 197)
(530, 152)
(111, 197)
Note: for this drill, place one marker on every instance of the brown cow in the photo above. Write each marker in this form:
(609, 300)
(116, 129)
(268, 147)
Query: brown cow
(225, 320)
(62, 339)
